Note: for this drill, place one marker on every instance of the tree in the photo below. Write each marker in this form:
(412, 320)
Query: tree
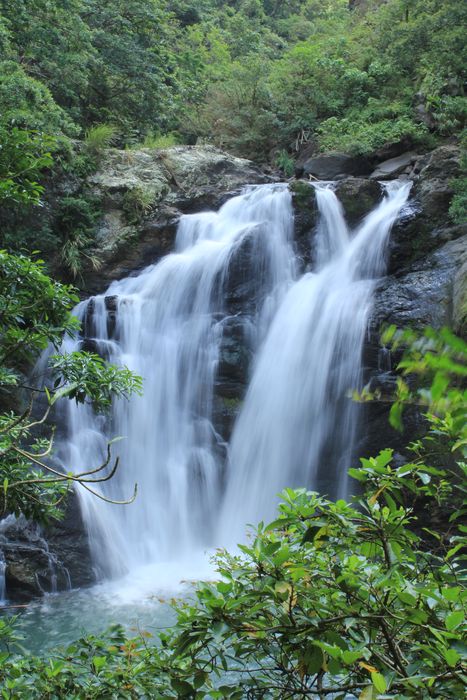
(35, 313)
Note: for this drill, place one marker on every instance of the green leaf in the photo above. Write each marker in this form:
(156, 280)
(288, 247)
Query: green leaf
(313, 659)
(379, 682)
(99, 662)
(451, 656)
(454, 619)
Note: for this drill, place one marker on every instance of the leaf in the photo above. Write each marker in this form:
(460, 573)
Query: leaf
(182, 687)
(454, 619)
(99, 662)
(395, 416)
(313, 660)
(451, 656)
(61, 393)
(367, 693)
(451, 594)
(379, 682)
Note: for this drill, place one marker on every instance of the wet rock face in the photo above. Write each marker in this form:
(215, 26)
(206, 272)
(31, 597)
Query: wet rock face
(427, 227)
(31, 567)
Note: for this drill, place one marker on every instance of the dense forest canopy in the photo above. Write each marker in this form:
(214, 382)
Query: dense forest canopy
(228, 72)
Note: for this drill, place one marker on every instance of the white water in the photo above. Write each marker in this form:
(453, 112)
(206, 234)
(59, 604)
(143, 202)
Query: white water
(168, 327)
(298, 424)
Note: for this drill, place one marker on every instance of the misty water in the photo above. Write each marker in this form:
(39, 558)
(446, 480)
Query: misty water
(296, 427)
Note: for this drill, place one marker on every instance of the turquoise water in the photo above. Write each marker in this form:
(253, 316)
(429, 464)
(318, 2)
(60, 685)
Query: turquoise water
(139, 602)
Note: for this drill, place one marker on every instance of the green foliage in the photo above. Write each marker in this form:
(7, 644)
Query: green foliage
(237, 114)
(75, 223)
(161, 141)
(367, 130)
(87, 377)
(34, 310)
(27, 103)
(35, 313)
(23, 156)
(137, 203)
(100, 137)
(330, 599)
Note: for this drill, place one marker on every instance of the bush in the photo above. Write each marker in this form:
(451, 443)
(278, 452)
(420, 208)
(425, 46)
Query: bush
(364, 131)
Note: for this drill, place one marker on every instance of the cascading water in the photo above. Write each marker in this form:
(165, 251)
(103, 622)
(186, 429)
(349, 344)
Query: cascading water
(167, 326)
(297, 425)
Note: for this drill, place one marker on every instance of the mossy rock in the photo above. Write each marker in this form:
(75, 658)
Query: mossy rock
(358, 196)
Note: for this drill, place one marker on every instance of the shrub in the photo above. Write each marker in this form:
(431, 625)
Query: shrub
(100, 137)
(160, 141)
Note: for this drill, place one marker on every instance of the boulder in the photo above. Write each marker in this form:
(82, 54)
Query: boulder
(334, 165)
(394, 167)
(430, 292)
(358, 197)
(423, 295)
(426, 224)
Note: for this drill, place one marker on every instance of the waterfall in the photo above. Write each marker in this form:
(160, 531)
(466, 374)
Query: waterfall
(166, 324)
(297, 425)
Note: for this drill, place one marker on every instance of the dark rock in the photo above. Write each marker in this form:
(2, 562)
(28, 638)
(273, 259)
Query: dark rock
(307, 151)
(426, 224)
(68, 541)
(424, 295)
(234, 359)
(330, 166)
(390, 150)
(233, 370)
(225, 412)
(32, 567)
(305, 217)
